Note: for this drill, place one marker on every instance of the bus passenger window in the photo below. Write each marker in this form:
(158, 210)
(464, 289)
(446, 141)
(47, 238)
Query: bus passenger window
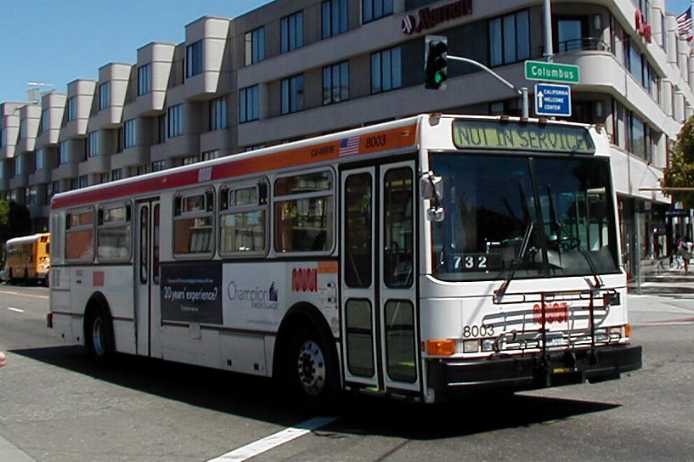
(304, 215)
(193, 224)
(243, 220)
(79, 235)
(113, 235)
(398, 229)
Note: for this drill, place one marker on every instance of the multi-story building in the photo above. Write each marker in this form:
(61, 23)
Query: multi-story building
(297, 68)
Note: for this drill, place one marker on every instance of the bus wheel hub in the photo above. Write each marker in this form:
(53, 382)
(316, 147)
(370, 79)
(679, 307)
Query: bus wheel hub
(311, 368)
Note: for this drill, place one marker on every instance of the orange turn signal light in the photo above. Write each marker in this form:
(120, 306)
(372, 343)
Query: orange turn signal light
(627, 331)
(441, 347)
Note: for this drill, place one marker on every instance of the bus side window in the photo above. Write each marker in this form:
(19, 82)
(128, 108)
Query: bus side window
(114, 233)
(79, 235)
(243, 220)
(194, 223)
(304, 213)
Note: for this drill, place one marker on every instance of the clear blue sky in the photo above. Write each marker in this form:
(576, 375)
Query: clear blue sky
(57, 41)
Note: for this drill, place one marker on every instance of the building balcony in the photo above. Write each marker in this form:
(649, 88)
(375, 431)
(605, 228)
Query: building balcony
(26, 145)
(180, 146)
(213, 34)
(98, 164)
(132, 157)
(54, 105)
(221, 140)
(64, 172)
(41, 176)
(48, 138)
(19, 181)
(158, 57)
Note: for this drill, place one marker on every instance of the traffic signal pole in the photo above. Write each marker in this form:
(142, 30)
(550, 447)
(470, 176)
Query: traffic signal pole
(523, 91)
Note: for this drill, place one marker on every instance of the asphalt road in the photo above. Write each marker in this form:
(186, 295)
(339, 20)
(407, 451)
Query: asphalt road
(56, 405)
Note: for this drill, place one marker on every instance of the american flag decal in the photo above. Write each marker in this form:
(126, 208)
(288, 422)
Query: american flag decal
(349, 146)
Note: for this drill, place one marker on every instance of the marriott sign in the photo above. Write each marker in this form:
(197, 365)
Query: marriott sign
(428, 18)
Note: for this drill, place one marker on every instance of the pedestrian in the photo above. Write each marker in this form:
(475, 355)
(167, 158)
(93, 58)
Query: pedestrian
(3, 359)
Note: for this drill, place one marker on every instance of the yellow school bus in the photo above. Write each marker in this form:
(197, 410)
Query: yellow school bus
(28, 258)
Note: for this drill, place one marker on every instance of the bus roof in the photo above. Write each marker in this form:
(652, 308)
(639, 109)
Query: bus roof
(398, 134)
(26, 239)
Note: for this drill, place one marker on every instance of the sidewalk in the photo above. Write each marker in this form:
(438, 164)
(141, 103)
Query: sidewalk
(665, 298)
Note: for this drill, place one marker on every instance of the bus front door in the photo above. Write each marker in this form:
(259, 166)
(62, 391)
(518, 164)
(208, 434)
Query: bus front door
(147, 300)
(378, 277)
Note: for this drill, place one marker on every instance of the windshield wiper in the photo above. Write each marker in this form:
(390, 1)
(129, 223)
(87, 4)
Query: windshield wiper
(591, 265)
(499, 293)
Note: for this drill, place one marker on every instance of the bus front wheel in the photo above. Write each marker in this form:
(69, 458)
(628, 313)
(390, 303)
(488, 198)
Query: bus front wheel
(312, 367)
(99, 335)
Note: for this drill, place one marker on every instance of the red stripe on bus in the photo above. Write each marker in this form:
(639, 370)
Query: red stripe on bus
(370, 143)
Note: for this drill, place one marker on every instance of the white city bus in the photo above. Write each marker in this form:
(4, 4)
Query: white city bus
(422, 258)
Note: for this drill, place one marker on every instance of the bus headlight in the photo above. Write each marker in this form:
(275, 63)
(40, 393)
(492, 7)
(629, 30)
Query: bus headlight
(471, 346)
(488, 344)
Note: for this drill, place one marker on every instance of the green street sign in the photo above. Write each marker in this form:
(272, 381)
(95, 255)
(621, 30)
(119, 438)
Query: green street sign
(552, 72)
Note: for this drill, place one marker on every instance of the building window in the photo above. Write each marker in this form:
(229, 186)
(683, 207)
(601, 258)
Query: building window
(194, 59)
(136, 170)
(19, 166)
(292, 94)
(158, 165)
(104, 177)
(334, 19)
(174, 121)
(71, 108)
(336, 83)
(129, 136)
(2, 135)
(209, 155)
(161, 129)
(104, 95)
(636, 131)
(144, 79)
(386, 70)
(254, 46)
(83, 181)
(249, 104)
(43, 126)
(116, 174)
(63, 153)
(53, 188)
(92, 144)
(375, 9)
(40, 160)
(292, 31)
(188, 160)
(509, 38)
(32, 195)
(218, 114)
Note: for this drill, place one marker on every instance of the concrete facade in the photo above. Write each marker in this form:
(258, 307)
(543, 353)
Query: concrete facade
(179, 103)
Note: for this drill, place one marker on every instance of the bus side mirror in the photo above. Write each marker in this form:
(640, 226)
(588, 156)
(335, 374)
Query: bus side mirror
(431, 187)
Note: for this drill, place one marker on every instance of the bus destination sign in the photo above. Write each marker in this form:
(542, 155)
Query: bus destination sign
(490, 134)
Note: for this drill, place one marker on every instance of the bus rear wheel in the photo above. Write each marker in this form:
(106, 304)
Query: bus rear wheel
(99, 337)
(312, 368)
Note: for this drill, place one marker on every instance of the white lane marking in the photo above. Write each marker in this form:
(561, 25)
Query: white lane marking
(16, 310)
(274, 440)
(17, 294)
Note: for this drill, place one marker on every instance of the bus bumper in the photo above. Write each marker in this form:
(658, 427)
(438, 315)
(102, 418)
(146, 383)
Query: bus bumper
(449, 377)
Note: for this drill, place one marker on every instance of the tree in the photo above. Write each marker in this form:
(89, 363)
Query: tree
(15, 221)
(680, 172)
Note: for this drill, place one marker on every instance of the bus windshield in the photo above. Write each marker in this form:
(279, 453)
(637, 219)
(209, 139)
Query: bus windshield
(562, 207)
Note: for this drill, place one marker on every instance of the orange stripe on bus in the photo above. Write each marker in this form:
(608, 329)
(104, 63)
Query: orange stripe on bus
(369, 143)
(327, 267)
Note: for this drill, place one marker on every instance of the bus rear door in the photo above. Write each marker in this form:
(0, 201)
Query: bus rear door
(147, 300)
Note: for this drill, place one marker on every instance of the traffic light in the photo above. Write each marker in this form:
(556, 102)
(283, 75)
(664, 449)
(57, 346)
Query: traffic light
(436, 59)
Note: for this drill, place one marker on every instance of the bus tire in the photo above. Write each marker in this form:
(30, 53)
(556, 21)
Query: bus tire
(312, 368)
(99, 338)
